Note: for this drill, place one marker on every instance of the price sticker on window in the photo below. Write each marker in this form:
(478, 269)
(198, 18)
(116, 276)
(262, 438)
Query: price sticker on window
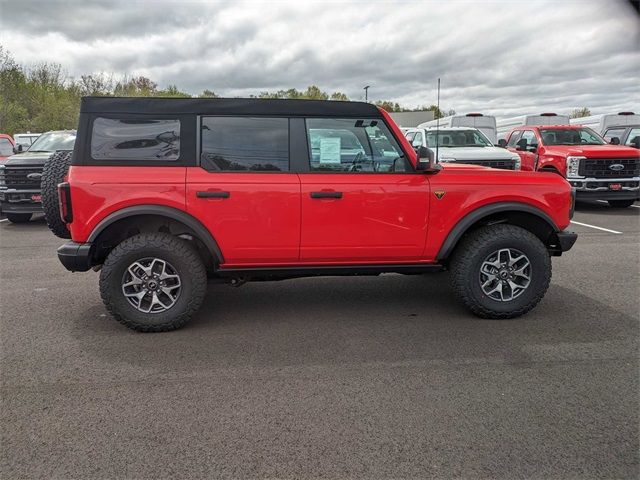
(330, 150)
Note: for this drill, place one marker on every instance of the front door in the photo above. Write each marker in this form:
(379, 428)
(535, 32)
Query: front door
(361, 200)
(243, 190)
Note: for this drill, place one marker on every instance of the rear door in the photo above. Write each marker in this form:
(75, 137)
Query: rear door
(361, 200)
(243, 189)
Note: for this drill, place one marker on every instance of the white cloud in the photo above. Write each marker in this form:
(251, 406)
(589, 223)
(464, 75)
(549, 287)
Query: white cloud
(497, 57)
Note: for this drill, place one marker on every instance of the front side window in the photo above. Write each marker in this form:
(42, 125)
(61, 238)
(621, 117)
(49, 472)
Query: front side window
(6, 148)
(633, 134)
(613, 132)
(513, 139)
(353, 145)
(530, 137)
(570, 136)
(245, 144)
(135, 139)
(52, 141)
(457, 138)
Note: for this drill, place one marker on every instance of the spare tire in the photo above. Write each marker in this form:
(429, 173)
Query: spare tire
(53, 173)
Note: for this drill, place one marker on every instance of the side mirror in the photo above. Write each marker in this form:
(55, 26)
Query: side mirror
(614, 141)
(502, 143)
(635, 142)
(17, 148)
(426, 161)
(522, 144)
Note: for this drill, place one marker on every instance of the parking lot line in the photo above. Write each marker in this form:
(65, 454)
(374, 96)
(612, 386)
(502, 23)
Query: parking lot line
(597, 228)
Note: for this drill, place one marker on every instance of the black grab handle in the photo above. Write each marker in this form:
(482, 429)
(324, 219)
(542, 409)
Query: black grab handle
(326, 194)
(213, 194)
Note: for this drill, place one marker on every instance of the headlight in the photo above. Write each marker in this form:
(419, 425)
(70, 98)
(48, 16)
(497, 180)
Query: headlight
(573, 166)
(518, 162)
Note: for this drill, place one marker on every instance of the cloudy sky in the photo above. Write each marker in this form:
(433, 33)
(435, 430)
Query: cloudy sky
(499, 57)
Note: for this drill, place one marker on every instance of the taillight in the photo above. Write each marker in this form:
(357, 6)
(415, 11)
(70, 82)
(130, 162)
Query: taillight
(64, 199)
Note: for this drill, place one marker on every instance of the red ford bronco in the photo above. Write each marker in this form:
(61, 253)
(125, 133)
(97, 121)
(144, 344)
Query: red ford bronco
(596, 169)
(164, 194)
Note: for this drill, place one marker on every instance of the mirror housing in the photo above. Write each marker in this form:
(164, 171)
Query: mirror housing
(17, 148)
(521, 144)
(614, 141)
(502, 143)
(426, 161)
(635, 142)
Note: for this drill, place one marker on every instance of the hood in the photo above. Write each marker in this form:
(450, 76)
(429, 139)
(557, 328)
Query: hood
(474, 153)
(592, 151)
(28, 158)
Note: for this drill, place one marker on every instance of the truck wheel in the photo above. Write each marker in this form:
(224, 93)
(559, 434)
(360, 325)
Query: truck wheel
(500, 271)
(18, 217)
(620, 203)
(153, 282)
(53, 173)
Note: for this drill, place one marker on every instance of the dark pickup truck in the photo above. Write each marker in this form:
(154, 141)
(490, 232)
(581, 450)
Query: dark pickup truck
(20, 174)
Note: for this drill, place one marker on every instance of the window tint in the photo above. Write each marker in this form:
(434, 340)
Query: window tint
(513, 139)
(6, 148)
(353, 145)
(238, 144)
(634, 133)
(139, 139)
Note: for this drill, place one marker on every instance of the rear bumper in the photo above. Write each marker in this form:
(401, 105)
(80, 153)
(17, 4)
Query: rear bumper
(76, 257)
(566, 240)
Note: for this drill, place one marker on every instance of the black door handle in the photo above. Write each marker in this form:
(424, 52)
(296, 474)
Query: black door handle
(217, 194)
(326, 194)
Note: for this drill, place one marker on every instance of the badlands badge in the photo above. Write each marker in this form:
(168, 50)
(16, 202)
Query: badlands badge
(439, 194)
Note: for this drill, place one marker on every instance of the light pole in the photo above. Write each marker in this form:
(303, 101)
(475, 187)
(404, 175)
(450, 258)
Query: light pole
(366, 93)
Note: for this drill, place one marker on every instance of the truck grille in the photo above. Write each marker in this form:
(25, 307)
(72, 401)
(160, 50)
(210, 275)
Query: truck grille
(600, 167)
(503, 164)
(16, 177)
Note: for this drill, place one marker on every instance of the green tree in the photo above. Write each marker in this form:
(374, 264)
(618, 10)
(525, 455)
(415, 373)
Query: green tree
(390, 106)
(339, 96)
(206, 93)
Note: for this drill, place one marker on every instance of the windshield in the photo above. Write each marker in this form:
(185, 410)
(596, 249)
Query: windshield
(570, 136)
(6, 148)
(52, 141)
(458, 138)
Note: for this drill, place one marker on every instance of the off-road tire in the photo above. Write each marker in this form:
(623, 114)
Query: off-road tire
(180, 254)
(620, 203)
(471, 252)
(18, 217)
(53, 173)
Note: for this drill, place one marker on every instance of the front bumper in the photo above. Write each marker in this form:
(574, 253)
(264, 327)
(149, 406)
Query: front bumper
(600, 189)
(563, 242)
(76, 257)
(19, 201)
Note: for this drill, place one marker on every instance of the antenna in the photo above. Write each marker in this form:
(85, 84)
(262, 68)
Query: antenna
(438, 124)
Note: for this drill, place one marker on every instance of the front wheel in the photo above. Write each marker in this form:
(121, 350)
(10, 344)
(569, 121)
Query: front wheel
(153, 282)
(620, 203)
(500, 271)
(18, 217)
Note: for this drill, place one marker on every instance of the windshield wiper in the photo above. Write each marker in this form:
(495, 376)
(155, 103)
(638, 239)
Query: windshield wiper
(39, 151)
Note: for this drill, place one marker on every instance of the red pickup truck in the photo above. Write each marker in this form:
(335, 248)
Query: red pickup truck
(596, 169)
(164, 194)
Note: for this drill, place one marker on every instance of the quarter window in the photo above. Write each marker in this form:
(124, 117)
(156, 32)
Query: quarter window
(135, 139)
(353, 145)
(245, 144)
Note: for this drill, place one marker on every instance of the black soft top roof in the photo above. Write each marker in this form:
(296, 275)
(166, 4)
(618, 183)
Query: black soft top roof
(226, 106)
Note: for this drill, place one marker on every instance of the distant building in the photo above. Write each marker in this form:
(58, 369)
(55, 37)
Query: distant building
(412, 119)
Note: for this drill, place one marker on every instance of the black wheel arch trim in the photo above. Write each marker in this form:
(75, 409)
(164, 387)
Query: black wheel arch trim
(163, 211)
(470, 219)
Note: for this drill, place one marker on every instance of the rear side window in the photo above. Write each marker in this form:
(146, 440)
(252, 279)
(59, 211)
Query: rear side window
(6, 148)
(135, 139)
(245, 144)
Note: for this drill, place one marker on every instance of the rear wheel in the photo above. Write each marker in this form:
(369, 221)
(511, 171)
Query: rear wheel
(153, 282)
(500, 271)
(620, 203)
(53, 173)
(19, 217)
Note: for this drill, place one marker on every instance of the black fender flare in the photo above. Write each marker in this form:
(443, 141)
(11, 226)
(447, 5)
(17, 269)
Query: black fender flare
(162, 211)
(460, 228)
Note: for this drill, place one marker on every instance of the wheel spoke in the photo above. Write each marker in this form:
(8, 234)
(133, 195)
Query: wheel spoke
(151, 285)
(505, 274)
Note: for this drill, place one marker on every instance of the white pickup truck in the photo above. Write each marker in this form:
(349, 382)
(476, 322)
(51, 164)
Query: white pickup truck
(463, 145)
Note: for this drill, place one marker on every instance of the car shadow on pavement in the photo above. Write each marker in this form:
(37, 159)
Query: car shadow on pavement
(354, 321)
(599, 208)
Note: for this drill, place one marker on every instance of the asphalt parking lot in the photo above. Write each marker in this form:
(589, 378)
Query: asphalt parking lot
(326, 378)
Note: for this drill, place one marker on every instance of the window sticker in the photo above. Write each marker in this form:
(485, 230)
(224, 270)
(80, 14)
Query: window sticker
(330, 150)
